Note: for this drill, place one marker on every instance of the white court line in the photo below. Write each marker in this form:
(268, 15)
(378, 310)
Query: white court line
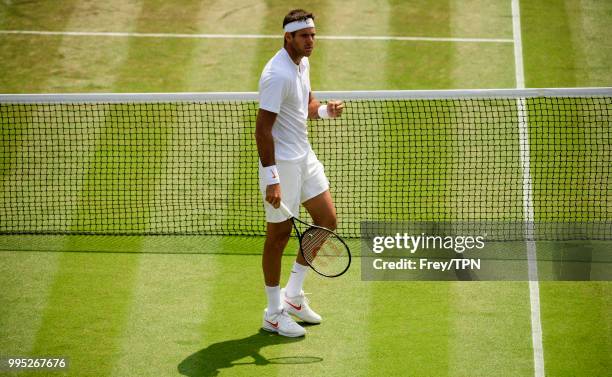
(534, 286)
(249, 36)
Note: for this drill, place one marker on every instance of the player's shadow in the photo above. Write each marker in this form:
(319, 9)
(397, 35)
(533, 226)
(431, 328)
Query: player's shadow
(208, 361)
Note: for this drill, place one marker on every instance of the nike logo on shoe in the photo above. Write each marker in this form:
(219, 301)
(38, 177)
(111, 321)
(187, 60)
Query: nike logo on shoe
(294, 306)
(275, 325)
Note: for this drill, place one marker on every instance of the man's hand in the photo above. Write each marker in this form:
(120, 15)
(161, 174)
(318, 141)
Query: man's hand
(334, 108)
(273, 195)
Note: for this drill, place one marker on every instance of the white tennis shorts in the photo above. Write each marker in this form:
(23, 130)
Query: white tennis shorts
(299, 181)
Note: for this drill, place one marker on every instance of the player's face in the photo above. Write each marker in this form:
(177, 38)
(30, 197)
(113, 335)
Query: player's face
(303, 42)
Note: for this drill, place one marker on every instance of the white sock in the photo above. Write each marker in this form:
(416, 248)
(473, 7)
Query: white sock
(296, 280)
(274, 305)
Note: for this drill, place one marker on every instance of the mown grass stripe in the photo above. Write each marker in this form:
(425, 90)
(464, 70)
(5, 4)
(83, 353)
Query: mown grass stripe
(480, 65)
(577, 333)
(390, 331)
(86, 310)
(168, 308)
(548, 51)
(478, 344)
(90, 296)
(589, 19)
(42, 59)
(26, 279)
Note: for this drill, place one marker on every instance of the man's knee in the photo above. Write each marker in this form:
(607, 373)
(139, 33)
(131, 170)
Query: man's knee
(278, 235)
(329, 222)
(279, 241)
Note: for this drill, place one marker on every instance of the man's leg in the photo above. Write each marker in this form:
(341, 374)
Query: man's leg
(321, 209)
(275, 318)
(277, 237)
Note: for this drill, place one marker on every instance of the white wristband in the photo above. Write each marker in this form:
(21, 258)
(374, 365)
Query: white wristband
(323, 114)
(270, 175)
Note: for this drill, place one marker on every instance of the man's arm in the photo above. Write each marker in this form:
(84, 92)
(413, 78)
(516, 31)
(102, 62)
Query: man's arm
(313, 107)
(265, 148)
(334, 108)
(263, 136)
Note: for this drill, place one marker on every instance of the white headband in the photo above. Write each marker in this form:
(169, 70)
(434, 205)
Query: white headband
(299, 25)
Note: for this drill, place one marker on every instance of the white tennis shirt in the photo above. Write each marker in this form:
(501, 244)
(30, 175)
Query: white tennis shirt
(283, 89)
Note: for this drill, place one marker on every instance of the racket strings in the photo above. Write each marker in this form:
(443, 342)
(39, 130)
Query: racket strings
(324, 251)
(313, 240)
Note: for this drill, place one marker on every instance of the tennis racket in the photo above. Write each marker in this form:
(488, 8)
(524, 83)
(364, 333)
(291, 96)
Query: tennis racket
(324, 251)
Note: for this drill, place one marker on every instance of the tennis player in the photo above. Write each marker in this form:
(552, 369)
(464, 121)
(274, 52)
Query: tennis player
(288, 168)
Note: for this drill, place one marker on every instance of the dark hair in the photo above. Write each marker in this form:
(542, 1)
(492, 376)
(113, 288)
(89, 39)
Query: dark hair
(297, 15)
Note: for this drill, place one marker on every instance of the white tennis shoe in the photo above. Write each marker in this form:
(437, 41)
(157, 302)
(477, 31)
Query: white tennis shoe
(298, 306)
(283, 324)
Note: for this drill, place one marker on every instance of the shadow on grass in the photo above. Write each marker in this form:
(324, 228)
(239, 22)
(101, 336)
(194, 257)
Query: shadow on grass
(208, 361)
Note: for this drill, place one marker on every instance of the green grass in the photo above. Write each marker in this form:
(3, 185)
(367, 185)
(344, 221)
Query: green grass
(577, 319)
(192, 305)
(568, 49)
(174, 306)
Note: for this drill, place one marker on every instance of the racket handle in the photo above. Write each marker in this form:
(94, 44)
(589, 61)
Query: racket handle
(285, 210)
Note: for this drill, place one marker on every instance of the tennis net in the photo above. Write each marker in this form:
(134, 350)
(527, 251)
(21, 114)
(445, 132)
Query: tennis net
(187, 163)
